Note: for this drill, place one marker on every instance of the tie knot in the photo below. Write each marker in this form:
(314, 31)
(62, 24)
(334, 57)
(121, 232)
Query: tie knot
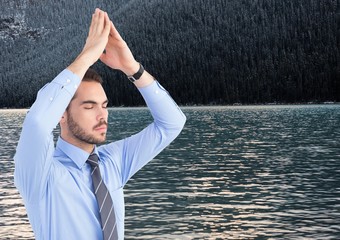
(93, 160)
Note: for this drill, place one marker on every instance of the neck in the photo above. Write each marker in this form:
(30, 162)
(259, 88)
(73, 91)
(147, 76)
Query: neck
(87, 147)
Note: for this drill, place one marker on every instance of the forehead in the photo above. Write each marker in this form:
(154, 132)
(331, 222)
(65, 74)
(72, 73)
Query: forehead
(90, 91)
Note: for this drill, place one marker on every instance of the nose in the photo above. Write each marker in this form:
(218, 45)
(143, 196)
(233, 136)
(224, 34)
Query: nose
(102, 114)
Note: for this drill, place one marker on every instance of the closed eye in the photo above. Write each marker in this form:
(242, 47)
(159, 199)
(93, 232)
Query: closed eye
(105, 104)
(88, 106)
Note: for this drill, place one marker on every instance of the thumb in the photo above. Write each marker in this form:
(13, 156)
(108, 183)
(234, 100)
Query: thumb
(107, 61)
(103, 58)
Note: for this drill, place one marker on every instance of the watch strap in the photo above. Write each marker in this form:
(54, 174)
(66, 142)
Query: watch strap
(138, 74)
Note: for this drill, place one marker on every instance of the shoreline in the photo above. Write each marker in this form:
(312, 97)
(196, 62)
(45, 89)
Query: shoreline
(211, 106)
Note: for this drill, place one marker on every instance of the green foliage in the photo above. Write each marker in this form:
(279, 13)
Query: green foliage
(203, 52)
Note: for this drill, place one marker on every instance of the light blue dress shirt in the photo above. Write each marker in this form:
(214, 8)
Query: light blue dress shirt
(55, 182)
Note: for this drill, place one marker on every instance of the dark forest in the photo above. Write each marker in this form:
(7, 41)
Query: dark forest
(211, 52)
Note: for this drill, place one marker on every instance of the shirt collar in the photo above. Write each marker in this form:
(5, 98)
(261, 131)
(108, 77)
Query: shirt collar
(74, 153)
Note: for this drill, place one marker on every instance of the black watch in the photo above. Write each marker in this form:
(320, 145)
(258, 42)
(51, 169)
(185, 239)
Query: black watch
(137, 75)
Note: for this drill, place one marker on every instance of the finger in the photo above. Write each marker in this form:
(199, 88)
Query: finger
(107, 24)
(95, 20)
(114, 33)
(101, 21)
(91, 24)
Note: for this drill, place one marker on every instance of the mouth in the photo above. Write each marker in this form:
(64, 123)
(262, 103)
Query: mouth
(101, 127)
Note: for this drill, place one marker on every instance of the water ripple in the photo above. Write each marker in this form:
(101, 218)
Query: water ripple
(260, 172)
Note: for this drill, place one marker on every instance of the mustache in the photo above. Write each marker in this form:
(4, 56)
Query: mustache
(101, 123)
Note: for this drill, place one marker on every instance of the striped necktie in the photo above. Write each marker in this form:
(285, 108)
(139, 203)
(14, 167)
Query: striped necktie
(107, 214)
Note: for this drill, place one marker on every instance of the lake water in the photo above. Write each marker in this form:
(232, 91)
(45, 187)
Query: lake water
(247, 172)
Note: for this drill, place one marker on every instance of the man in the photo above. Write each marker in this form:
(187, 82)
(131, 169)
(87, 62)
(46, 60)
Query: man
(62, 186)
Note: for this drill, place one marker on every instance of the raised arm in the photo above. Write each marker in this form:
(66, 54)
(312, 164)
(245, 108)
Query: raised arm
(134, 152)
(35, 148)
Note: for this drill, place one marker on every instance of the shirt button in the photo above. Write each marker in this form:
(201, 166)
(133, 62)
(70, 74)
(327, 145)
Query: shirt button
(156, 91)
(75, 85)
(68, 80)
(51, 99)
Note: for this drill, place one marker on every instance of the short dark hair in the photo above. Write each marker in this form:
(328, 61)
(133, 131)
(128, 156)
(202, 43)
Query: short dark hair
(92, 75)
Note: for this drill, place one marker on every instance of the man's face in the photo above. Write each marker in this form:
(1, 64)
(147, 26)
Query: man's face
(86, 117)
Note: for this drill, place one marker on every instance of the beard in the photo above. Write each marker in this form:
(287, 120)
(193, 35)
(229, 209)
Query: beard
(79, 133)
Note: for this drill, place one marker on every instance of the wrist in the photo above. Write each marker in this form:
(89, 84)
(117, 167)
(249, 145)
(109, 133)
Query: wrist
(80, 65)
(137, 75)
(131, 69)
(84, 59)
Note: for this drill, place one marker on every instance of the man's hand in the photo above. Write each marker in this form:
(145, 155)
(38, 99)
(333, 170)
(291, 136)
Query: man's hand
(95, 43)
(118, 55)
(104, 36)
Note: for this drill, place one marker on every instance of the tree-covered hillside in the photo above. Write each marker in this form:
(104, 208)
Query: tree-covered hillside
(202, 51)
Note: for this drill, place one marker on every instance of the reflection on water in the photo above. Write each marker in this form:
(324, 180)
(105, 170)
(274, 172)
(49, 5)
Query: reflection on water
(13, 219)
(264, 172)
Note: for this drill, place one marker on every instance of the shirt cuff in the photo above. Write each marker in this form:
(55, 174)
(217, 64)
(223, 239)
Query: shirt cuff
(153, 92)
(68, 80)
